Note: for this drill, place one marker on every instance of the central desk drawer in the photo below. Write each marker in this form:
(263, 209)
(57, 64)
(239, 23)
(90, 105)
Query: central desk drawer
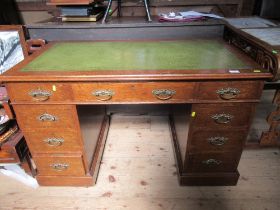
(53, 141)
(60, 165)
(31, 117)
(137, 92)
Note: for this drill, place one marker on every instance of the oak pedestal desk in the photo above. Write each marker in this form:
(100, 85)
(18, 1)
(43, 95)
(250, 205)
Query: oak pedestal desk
(61, 93)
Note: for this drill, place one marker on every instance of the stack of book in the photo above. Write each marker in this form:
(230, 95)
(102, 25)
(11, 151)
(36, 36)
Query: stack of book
(82, 13)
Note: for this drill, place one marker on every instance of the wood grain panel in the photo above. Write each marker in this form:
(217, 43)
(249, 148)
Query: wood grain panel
(241, 114)
(28, 117)
(20, 92)
(249, 90)
(37, 141)
(74, 164)
(199, 141)
(136, 92)
(228, 162)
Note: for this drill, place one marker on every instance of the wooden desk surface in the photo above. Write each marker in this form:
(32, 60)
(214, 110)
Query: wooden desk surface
(151, 60)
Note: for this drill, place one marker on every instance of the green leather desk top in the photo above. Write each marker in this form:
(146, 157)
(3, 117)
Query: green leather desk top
(141, 55)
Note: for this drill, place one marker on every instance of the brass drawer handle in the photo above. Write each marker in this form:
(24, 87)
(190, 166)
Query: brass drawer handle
(222, 118)
(228, 93)
(217, 140)
(60, 166)
(53, 141)
(103, 95)
(40, 95)
(163, 94)
(47, 117)
(212, 162)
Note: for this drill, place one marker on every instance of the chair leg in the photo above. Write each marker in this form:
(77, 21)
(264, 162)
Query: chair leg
(119, 8)
(147, 10)
(107, 11)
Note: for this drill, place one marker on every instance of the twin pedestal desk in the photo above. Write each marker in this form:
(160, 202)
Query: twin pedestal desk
(61, 93)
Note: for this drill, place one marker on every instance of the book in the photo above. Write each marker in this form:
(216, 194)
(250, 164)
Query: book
(76, 11)
(90, 18)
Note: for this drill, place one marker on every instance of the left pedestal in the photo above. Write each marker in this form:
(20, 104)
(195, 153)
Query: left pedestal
(66, 142)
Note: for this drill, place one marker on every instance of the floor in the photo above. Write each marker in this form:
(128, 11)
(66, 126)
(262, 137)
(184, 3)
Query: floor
(138, 173)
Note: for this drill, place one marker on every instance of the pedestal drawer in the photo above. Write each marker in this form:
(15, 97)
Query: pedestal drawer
(220, 116)
(212, 162)
(230, 90)
(216, 141)
(39, 92)
(31, 117)
(53, 141)
(140, 92)
(60, 165)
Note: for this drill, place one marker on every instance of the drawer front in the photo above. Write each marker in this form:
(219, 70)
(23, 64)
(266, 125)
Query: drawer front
(31, 117)
(220, 116)
(60, 165)
(149, 92)
(53, 141)
(213, 162)
(39, 92)
(230, 91)
(216, 141)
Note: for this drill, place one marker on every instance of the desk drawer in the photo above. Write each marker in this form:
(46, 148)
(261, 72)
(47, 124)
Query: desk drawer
(53, 141)
(230, 91)
(31, 117)
(221, 116)
(137, 92)
(216, 141)
(60, 165)
(213, 162)
(39, 92)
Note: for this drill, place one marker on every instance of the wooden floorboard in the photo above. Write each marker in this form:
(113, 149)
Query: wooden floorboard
(138, 173)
